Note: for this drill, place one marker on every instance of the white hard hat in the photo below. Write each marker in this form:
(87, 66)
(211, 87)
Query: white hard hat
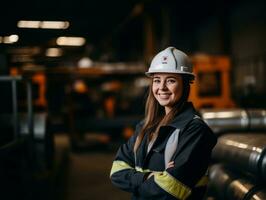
(171, 60)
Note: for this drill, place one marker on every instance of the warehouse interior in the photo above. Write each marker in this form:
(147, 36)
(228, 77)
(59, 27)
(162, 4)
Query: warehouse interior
(73, 88)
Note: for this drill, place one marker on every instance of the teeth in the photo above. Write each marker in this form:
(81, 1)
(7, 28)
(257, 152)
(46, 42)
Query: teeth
(164, 96)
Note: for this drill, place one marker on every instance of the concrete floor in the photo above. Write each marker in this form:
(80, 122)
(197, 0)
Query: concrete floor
(87, 177)
(84, 173)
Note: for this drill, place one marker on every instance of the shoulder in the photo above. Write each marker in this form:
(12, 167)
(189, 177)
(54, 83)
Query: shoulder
(198, 122)
(198, 128)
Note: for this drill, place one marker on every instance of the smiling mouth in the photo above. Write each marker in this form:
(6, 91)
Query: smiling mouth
(164, 96)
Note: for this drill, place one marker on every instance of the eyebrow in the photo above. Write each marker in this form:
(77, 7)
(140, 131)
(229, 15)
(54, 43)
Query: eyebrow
(165, 77)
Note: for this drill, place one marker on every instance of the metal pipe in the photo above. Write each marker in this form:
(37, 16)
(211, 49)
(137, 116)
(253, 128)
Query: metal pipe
(246, 152)
(226, 184)
(15, 108)
(258, 195)
(257, 119)
(30, 109)
(219, 178)
(222, 120)
(239, 189)
(10, 78)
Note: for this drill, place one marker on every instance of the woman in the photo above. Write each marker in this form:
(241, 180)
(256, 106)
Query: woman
(168, 156)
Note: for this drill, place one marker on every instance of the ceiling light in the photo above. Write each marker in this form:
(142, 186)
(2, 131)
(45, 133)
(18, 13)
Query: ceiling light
(13, 38)
(70, 41)
(54, 52)
(54, 25)
(28, 24)
(43, 24)
(9, 39)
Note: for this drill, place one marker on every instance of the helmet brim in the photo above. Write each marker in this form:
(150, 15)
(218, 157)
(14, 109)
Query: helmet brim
(150, 74)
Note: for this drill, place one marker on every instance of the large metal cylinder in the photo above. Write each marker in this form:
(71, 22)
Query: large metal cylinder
(219, 178)
(222, 120)
(226, 185)
(245, 152)
(259, 194)
(43, 140)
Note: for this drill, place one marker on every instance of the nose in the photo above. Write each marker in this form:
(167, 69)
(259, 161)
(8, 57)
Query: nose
(162, 85)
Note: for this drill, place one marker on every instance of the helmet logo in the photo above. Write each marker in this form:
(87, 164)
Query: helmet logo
(184, 69)
(164, 59)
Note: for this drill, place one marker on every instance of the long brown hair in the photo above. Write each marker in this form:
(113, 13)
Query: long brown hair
(155, 116)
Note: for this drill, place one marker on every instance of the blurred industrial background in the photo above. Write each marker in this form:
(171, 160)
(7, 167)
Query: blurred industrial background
(73, 88)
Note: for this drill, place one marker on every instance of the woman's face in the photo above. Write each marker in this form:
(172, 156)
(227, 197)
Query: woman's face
(167, 88)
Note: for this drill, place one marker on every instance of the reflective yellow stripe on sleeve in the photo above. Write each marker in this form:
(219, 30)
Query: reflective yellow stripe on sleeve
(171, 185)
(202, 182)
(119, 165)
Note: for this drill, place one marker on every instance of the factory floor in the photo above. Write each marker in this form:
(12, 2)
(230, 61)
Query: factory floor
(85, 175)
(88, 177)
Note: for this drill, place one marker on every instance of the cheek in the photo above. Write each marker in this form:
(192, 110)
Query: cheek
(178, 95)
(177, 92)
(154, 89)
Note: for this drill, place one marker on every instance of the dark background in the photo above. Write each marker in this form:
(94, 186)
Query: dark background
(135, 30)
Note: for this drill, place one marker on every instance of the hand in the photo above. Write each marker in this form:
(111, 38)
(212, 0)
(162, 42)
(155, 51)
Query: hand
(170, 164)
(150, 175)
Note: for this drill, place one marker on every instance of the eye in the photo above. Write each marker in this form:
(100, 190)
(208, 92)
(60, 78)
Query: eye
(156, 80)
(171, 81)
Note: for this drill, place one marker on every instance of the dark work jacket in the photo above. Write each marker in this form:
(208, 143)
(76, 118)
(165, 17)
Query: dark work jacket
(186, 180)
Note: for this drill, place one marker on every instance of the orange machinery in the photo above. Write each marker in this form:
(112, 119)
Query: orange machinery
(212, 83)
(39, 79)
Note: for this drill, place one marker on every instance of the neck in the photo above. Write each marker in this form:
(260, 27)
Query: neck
(167, 110)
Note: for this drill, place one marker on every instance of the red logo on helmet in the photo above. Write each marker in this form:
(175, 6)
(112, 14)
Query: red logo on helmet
(164, 60)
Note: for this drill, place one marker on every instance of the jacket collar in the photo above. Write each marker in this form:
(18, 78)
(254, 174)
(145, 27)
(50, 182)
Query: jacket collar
(183, 117)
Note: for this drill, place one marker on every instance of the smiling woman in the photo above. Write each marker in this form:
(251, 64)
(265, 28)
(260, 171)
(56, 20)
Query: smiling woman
(168, 156)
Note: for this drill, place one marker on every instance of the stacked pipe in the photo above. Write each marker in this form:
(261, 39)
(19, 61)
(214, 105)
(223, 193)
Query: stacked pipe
(240, 153)
(224, 120)
(230, 185)
(245, 152)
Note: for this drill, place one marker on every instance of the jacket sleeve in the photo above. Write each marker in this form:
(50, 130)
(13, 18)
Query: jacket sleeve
(123, 174)
(190, 165)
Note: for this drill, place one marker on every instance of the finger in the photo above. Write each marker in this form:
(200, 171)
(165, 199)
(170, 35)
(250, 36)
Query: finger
(150, 175)
(170, 163)
(170, 166)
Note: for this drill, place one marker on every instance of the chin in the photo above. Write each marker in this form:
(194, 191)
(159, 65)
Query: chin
(164, 104)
